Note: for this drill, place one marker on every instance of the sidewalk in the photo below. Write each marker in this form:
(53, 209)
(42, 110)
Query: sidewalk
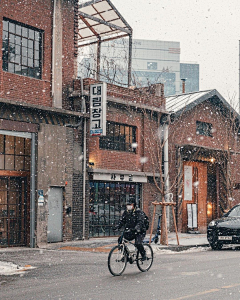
(104, 244)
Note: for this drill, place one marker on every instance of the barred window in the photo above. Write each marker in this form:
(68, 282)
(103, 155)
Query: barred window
(119, 137)
(21, 50)
(203, 128)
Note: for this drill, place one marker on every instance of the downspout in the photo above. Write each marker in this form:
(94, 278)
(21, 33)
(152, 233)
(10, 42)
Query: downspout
(83, 109)
(53, 47)
(32, 193)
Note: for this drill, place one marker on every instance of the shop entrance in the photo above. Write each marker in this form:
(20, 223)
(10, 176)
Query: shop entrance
(195, 192)
(14, 222)
(107, 203)
(15, 155)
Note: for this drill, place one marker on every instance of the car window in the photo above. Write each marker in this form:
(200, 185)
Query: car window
(235, 212)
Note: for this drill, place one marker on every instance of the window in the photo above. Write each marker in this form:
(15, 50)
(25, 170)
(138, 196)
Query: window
(21, 50)
(152, 65)
(14, 153)
(118, 137)
(203, 128)
(107, 203)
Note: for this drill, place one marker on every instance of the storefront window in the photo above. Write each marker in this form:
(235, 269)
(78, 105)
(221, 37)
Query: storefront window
(14, 153)
(107, 203)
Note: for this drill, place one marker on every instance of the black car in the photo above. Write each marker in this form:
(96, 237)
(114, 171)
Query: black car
(225, 230)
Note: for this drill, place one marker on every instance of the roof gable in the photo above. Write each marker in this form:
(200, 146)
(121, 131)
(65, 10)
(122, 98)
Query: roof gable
(177, 104)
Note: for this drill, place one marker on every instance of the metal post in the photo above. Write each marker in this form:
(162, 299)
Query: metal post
(98, 59)
(130, 61)
(218, 190)
(32, 193)
(166, 169)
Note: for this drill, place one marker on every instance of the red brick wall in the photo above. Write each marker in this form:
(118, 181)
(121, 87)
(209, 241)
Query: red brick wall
(38, 13)
(69, 60)
(23, 88)
(121, 160)
(183, 132)
(150, 194)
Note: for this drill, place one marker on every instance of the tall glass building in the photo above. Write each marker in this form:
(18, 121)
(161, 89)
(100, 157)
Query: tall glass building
(190, 72)
(152, 62)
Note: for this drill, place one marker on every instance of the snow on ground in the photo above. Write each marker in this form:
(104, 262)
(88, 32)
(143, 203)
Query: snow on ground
(190, 250)
(8, 268)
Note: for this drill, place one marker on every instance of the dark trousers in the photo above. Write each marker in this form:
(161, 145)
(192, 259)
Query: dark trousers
(138, 242)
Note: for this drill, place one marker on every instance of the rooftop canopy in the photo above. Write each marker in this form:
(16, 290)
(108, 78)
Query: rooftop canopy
(100, 20)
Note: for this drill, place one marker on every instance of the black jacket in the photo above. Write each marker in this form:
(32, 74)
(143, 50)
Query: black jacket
(133, 220)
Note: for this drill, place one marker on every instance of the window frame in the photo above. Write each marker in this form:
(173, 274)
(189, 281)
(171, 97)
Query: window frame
(20, 39)
(204, 128)
(118, 142)
(15, 151)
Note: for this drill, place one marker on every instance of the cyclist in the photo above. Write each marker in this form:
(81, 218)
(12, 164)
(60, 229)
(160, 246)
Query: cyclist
(133, 221)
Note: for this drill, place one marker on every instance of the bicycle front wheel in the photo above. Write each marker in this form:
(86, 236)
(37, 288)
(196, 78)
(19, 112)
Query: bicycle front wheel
(145, 264)
(117, 260)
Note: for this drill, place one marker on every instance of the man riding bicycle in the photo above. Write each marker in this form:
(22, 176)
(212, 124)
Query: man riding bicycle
(133, 221)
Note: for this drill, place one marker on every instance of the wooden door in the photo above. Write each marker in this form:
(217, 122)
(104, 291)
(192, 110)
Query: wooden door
(14, 226)
(198, 195)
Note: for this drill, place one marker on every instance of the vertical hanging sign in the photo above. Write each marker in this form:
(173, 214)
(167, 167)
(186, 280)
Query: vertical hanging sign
(187, 182)
(98, 99)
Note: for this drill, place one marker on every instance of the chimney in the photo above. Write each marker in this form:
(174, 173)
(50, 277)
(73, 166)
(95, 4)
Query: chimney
(183, 85)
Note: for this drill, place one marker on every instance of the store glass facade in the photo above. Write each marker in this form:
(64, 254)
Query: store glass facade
(107, 203)
(15, 156)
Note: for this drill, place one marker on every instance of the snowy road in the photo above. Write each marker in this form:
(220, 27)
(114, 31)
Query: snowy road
(197, 274)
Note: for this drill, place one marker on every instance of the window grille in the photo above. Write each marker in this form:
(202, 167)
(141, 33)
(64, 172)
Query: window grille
(119, 137)
(203, 128)
(21, 49)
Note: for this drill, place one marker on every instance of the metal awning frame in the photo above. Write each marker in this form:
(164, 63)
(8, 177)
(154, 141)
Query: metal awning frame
(114, 31)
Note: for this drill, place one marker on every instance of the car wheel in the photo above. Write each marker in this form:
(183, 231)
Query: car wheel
(216, 246)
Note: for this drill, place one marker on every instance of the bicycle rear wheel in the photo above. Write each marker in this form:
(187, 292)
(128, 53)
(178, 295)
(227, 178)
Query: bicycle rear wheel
(145, 265)
(117, 260)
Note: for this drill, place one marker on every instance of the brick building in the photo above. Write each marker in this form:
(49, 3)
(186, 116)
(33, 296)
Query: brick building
(46, 192)
(204, 155)
(119, 164)
(40, 147)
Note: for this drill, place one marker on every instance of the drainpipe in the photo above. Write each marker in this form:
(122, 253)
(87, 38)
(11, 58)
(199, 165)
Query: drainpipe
(32, 193)
(53, 48)
(84, 158)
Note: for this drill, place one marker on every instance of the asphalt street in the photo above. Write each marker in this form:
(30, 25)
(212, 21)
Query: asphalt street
(197, 273)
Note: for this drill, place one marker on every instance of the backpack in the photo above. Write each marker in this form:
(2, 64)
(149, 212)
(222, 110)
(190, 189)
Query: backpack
(146, 221)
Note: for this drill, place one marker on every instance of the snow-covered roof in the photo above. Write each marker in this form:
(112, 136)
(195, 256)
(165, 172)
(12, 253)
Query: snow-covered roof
(178, 104)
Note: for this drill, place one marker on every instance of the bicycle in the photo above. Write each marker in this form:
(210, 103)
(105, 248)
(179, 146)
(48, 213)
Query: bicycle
(121, 254)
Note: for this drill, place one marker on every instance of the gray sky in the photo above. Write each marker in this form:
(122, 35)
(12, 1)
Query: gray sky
(208, 32)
